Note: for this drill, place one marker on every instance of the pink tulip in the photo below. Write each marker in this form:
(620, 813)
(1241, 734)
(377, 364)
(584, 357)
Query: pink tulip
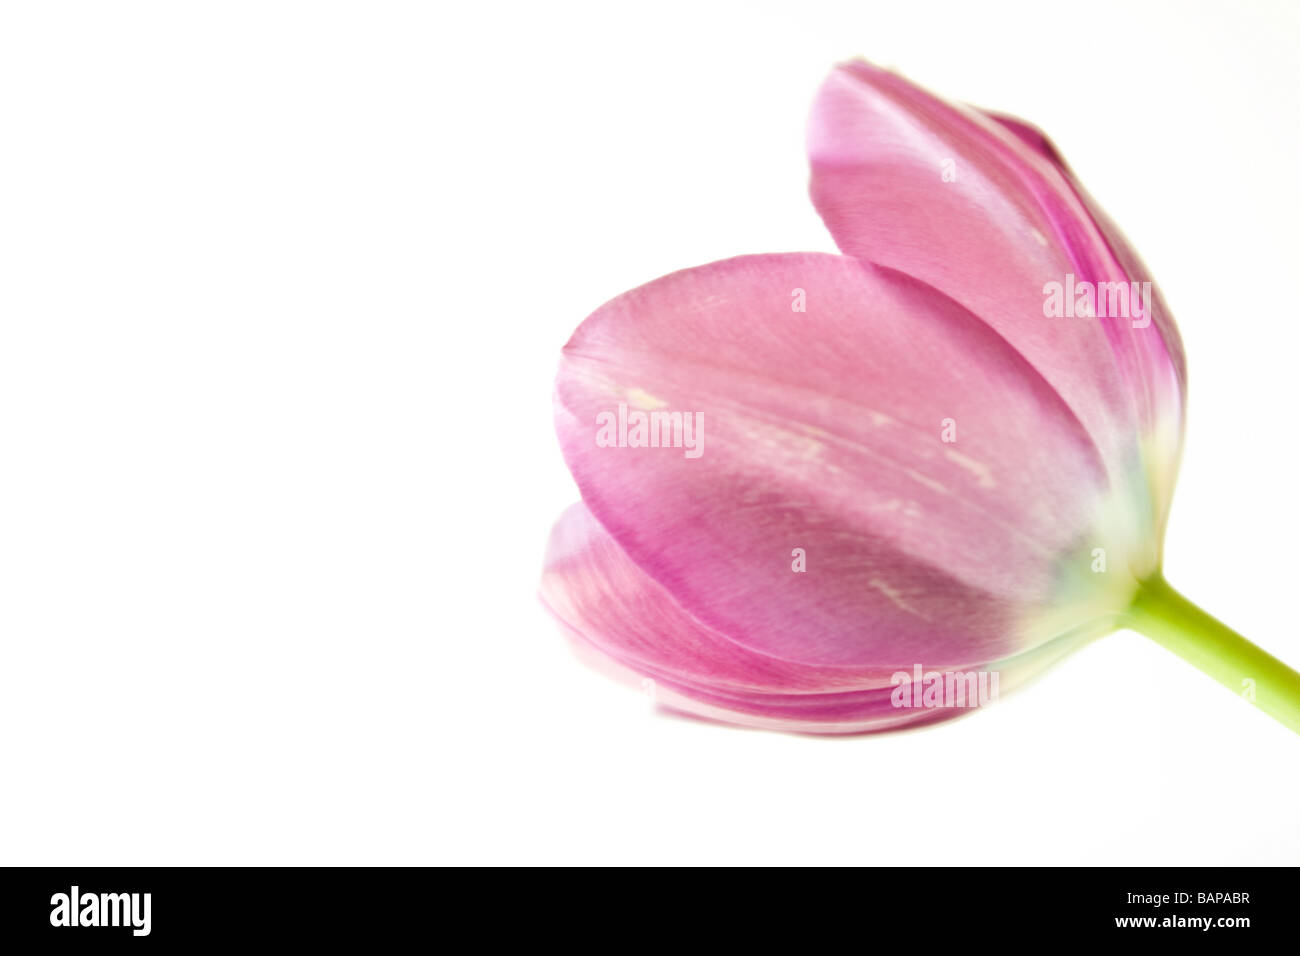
(804, 475)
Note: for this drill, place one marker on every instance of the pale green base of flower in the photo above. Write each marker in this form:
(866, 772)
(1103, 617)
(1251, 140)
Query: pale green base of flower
(1169, 619)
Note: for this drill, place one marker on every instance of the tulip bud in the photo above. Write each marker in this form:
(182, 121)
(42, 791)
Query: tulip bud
(836, 494)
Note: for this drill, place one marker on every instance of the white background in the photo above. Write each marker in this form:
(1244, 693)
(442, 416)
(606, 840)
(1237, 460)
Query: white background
(282, 288)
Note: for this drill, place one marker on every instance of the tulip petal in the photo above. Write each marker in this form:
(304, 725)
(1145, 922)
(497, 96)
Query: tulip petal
(824, 431)
(1162, 376)
(1007, 221)
(625, 623)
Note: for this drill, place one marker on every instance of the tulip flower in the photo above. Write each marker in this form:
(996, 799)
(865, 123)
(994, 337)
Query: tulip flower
(822, 493)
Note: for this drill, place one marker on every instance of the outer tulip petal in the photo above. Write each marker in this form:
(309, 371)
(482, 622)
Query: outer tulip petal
(633, 627)
(823, 432)
(1011, 221)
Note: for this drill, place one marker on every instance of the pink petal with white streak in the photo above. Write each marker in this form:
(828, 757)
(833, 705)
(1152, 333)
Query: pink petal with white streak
(822, 431)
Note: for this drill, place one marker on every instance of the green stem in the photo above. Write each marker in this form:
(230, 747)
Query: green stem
(1169, 619)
